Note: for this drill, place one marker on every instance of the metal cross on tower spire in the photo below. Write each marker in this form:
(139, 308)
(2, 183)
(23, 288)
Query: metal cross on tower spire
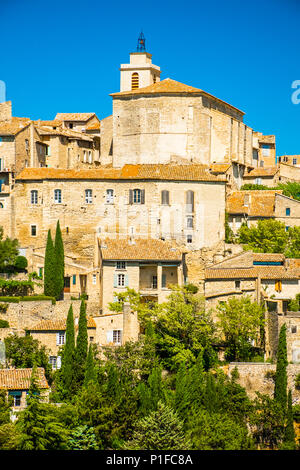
(141, 45)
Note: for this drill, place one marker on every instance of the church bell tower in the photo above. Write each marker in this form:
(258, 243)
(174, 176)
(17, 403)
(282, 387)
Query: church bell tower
(140, 72)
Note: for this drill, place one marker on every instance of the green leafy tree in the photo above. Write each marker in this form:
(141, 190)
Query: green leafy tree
(21, 263)
(161, 430)
(268, 236)
(280, 389)
(82, 438)
(293, 247)
(290, 189)
(184, 329)
(9, 250)
(59, 260)
(50, 268)
(218, 431)
(240, 322)
(267, 421)
(25, 352)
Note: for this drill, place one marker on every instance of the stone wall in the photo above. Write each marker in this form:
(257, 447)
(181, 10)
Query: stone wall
(5, 111)
(253, 377)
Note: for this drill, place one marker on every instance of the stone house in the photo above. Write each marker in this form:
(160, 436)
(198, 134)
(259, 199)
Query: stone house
(264, 150)
(264, 276)
(268, 176)
(168, 202)
(289, 160)
(249, 206)
(80, 122)
(17, 383)
(149, 267)
(52, 334)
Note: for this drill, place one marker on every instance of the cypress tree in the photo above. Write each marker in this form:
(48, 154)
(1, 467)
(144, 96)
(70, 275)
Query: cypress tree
(81, 345)
(50, 268)
(67, 366)
(280, 389)
(289, 433)
(90, 371)
(60, 263)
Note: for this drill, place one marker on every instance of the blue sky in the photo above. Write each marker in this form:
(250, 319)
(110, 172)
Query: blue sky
(64, 56)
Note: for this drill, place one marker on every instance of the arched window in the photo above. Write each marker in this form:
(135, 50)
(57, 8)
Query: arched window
(134, 81)
(57, 196)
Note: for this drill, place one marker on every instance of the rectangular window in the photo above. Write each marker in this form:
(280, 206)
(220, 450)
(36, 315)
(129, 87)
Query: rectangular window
(117, 336)
(163, 280)
(190, 201)
(94, 280)
(34, 196)
(154, 282)
(88, 196)
(60, 338)
(237, 285)
(165, 198)
(57, 196)
(33, 230)
(189, 239)
(294, 161)
(121, 280)
(40, 272)
(53, 361)
(109, 196)
(136, 196)
(121, 264)
(190, 222)
(287, 211)
(74, 279)
(294, 329)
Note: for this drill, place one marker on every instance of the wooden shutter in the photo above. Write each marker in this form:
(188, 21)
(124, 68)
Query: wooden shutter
(109, 336)
(190, 201)
(130, 196)
(142, 196)
(126, 280)
(58, 362)
(115, 280)
(165, 197)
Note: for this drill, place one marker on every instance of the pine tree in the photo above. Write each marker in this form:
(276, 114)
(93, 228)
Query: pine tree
(90, 371)
(280, 389)
(81, 349)
(50, 268)
(59, 259)
(68, 364)
(161, 430)
(182, 391)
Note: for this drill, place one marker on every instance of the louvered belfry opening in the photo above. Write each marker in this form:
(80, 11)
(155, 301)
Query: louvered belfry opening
(134, 81)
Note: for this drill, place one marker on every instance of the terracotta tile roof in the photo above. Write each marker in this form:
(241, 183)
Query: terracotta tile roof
(13, 127)
(53, 123)
(264, 272)
(261, 203)
(268, 257)
(58, 325)
(19, 379)
(93, 126)
(74, 116)
(162, 87)
(219, 167)
(170, 172)
(268, 171)
(44, 130)
(142, 249)
(169, 86)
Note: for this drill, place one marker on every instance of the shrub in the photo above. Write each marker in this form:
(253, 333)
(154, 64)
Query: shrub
(21, 263)
(4, 324)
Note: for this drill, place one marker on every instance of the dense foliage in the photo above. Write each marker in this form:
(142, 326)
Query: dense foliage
(166, 391)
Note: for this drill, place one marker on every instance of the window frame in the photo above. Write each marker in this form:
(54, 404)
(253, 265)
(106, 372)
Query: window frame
(88, 195)
(57, 200)
(117, 336)
(31, 230)
(121, 280)
(34, 196)
(121, 265)
(109, 196)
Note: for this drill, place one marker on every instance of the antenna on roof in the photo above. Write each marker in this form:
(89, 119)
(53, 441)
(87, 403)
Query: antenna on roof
(141, 45)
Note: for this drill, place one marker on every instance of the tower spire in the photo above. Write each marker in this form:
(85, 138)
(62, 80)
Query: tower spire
(141, 45)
